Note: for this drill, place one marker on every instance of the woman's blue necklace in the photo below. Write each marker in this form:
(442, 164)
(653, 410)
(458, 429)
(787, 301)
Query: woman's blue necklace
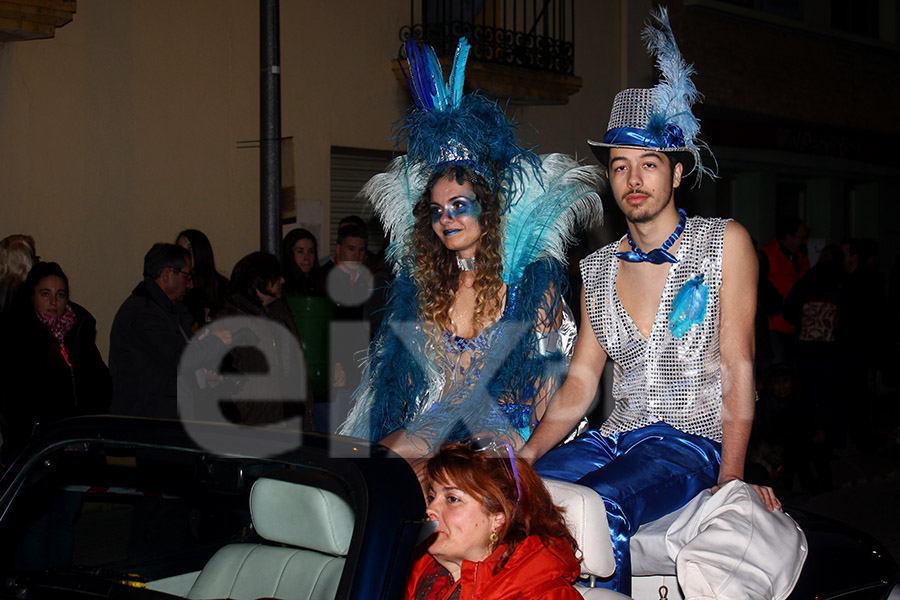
(661, 254)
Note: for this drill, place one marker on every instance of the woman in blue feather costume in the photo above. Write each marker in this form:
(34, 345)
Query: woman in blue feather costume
(476, 336)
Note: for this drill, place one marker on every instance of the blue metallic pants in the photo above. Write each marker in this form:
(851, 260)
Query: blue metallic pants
(641, 475)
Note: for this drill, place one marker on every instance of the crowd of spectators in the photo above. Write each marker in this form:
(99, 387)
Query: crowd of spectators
(182, 344)
(821, 348)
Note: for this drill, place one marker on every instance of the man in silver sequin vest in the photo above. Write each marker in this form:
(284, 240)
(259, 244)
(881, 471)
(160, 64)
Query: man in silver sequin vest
(677, 321)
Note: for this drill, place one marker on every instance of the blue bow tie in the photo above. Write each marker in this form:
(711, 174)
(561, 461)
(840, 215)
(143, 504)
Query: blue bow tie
(661, 254)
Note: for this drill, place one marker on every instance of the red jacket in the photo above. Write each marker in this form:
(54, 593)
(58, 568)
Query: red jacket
(783, 275)
(533, 572)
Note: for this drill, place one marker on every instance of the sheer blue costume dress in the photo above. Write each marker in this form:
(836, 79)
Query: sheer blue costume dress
(497, 383)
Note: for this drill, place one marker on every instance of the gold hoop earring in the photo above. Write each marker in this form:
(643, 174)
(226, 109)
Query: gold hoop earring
(494, 538)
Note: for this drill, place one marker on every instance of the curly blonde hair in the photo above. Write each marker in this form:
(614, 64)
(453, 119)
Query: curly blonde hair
(436, 273)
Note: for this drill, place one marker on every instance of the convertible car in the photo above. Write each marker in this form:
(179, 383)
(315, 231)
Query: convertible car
(106, 507)
(130, 508)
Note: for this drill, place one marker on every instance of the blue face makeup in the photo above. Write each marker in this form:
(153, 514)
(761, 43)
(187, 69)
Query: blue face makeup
(458, 207)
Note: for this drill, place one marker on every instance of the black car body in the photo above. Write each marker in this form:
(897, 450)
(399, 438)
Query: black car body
(103, 507)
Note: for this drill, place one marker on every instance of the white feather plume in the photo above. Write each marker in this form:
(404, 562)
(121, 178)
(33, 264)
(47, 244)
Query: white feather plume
(393, 195)
(539, 223)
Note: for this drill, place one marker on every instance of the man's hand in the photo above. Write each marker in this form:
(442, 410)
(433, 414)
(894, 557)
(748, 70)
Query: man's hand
(766, 493)
(212, 377)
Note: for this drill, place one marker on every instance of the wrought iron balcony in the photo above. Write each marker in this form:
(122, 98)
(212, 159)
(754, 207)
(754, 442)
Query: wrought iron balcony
(523, 50)
(33, 19)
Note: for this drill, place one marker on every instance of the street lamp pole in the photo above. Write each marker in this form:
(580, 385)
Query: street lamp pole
(270, 127)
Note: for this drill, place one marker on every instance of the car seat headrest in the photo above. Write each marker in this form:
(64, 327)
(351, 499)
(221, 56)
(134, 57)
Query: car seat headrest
(301, 515)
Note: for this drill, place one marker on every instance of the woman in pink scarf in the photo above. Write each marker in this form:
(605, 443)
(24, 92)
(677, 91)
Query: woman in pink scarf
(49, 362)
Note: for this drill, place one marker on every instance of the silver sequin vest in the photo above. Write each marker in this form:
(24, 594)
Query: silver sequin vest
(662, 378)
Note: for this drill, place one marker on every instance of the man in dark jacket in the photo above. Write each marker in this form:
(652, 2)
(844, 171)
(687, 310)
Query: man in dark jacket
(148, 335)
(349, 285)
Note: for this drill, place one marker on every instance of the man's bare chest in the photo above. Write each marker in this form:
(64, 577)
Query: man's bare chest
(639, 287)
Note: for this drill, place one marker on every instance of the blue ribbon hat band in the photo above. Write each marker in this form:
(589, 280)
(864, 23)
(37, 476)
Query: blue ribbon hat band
(670, 137)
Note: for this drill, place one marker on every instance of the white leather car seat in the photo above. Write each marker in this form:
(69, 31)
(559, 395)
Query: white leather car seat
(586, 518)
(317, 525)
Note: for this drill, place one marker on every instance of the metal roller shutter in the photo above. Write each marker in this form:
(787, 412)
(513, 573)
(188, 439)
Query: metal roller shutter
(351, 168)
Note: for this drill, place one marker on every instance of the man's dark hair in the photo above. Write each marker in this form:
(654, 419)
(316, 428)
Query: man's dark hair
(164, 256)
(787, 226)
(351, 220)
(352, 230)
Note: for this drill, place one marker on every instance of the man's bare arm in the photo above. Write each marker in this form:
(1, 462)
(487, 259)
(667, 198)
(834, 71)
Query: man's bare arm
(740, 269)
(573, 399)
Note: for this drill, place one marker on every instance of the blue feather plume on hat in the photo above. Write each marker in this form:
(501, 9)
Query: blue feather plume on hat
(675, 93)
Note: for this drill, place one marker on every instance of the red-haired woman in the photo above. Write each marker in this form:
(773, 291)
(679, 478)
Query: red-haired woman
(498, 536)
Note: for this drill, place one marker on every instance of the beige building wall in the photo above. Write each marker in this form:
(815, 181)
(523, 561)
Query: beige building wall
(123, 129)
(609, 57)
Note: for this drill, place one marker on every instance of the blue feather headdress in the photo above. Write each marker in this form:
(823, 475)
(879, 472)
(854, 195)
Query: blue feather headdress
(659, 118)
(446, 127)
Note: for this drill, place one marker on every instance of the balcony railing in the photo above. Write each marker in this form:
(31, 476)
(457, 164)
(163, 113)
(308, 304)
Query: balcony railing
(534, 34)
(33, 19)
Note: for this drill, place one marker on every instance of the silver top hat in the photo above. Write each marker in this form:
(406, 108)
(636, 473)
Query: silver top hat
(632, 125)
(659, 119)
